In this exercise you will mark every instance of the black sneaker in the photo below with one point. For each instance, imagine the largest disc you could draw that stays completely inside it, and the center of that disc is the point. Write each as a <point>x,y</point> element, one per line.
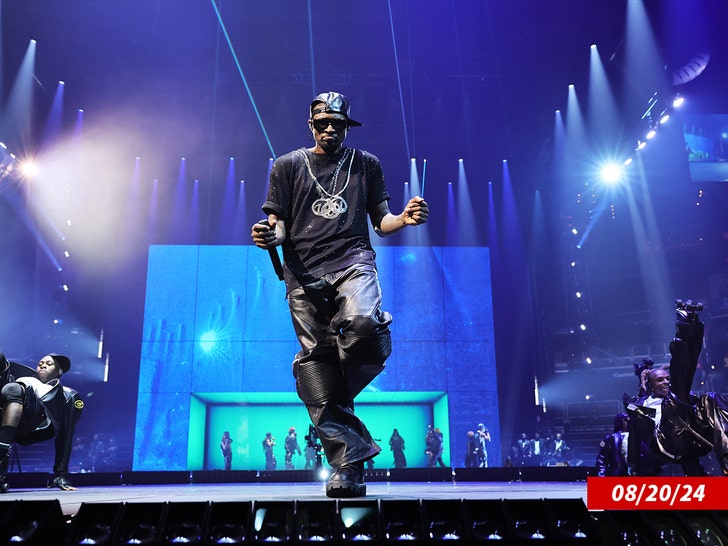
<point>347,482</point>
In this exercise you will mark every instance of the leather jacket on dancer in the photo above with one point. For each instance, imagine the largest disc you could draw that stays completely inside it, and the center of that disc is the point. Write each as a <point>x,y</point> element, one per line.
<point>36,407</point>
<point>669,424</point>
<point>319,202</point>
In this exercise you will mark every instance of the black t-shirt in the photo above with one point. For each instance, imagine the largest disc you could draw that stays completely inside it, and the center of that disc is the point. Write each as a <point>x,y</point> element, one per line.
<point>326,218</point>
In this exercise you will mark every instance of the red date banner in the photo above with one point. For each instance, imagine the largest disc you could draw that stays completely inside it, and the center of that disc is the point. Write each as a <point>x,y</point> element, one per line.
<point>668,493</point>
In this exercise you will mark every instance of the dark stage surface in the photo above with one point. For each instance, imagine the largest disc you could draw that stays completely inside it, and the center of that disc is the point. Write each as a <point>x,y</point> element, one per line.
<point>309,491</point>
<point>219,486</point>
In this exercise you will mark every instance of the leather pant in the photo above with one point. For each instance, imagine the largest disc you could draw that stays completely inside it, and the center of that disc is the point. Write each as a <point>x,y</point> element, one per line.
<point>345,341</point>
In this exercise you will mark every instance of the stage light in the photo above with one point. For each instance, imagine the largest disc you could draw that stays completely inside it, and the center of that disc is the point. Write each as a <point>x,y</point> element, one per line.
<point>628,161</point>
<point>706,529</point>
<point>28,168</point>
<point>678,101</point>
<point>641,145</point>
<point>611,173</point>
<point>664,118</point>
<point>32,522</point>
<point>139,523</point>
<point>229,522</point>
<point>578,294</point>
<point>582,327</point>
<point>184,522</point>
<point>402,520</point>
<point>273,521</point>
<point>588,360</point>
<point>444,519</point>
<point>359,521</point>
<point>94,523</point>
<point>574,231</point>
<point>486,519</point>
<point>650,134</point>
<point>572,520</point>
<point>528,520</point>
<point>316,521</point>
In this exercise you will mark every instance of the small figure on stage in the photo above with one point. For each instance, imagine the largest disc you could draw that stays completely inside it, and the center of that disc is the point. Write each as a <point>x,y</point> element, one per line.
<point>396,446</point>
<point>482,436</point>
<point>37,407</point>
<point>226,448</point>
<point>291,446</point>
<point>269,442</point>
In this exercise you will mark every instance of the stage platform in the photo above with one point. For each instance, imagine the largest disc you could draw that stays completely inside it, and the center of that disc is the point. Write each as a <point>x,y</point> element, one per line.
<point>513,506</point>
<point>309,491</point>
<point>308,485</point>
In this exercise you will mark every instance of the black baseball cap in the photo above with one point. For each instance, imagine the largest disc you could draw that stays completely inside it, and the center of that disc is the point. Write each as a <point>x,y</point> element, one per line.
<point>332,102</point>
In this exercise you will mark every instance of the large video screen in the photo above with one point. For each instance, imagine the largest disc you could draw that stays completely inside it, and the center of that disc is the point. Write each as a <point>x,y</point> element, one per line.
<point>706,145</point>
<point>218,346</point>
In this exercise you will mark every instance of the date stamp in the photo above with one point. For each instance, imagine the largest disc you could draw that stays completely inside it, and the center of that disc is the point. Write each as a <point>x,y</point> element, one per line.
<point>655,493</point>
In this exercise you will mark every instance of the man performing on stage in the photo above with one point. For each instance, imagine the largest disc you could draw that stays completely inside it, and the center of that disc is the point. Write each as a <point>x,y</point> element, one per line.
<point>317,206</point>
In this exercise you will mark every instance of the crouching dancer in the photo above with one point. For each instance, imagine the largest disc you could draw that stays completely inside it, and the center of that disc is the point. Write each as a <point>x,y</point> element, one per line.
<point>35,407</point>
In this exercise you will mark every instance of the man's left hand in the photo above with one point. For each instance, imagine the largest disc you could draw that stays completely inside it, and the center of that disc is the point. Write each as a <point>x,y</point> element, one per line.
<point>416,211</point>
<point>62,483</point>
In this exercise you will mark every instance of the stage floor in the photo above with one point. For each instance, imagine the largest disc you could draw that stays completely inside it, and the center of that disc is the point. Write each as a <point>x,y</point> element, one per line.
<point>308,491</point>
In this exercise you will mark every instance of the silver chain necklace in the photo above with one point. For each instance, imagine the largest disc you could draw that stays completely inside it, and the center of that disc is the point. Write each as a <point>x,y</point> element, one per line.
<point>330,205</point>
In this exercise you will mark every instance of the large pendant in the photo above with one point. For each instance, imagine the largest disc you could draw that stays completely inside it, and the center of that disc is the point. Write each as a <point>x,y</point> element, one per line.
<point>329,207</point>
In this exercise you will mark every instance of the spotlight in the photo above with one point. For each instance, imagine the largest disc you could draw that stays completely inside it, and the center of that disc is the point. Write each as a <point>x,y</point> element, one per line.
<point>359,521</point>
<point>273,521</point>
<point>228,523</point>
<point>444,519</point>
<point>528,519</point>
<point>184,522</point>
<point>572,520</point>
<point>402,520</point>
<point>28,168</point>
<point>611,173</point>
<point>487,519</point>
<point>316,521</point>
<point>678,101</point>
<point>139,523</point>
<point>664,118</point>
<point>650,134</point>
<point>641,145</point>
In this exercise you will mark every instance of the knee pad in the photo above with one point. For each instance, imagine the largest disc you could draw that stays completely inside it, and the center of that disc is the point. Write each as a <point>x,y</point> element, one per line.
<point>12,392</point>
<point>318,382</point>
<point>366,339</point>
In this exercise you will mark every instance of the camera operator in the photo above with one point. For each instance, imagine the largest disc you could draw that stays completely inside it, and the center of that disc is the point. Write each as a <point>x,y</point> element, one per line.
<point>313,450</point>
<point>669,424</point>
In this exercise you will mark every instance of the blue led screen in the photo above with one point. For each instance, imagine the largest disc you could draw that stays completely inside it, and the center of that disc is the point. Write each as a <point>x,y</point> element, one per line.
<point>216,321</point>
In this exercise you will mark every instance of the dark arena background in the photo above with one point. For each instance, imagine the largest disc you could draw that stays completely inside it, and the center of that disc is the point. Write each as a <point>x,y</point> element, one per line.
<point>574,155</point>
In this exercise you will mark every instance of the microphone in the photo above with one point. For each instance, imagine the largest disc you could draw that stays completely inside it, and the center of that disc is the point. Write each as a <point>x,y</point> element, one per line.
<point>275,259</point>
